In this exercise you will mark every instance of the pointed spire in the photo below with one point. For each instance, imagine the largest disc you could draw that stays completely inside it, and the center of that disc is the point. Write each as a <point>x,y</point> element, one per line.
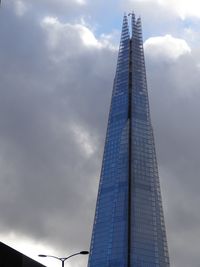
<point>139,23</point>
<point>125,29</point>
<point>133,23</point>
<point>139,30</point>
<point>123,55</point>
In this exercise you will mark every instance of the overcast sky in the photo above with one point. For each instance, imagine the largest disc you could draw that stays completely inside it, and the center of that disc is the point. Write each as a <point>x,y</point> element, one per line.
<point>57,64</point>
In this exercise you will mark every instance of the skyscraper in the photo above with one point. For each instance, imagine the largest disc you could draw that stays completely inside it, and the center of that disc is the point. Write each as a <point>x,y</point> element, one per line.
<point>129,228</point>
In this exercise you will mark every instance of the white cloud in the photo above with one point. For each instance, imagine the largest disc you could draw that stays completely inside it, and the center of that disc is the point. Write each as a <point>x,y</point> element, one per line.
<point>83,140</point>
<point>184,8</point>
<point>87,36</point>
<point>67,39</point>
<point>58,30</point>
<point>81,2</point>
<point>166,47</point>
<point>20,8</point>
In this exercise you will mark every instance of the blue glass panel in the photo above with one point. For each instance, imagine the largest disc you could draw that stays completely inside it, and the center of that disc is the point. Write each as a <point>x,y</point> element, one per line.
<point>111,210</point>
<point>129,228</point>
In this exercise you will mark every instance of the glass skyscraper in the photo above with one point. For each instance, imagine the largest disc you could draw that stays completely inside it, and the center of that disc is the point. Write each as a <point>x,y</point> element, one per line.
<point>129,229</point>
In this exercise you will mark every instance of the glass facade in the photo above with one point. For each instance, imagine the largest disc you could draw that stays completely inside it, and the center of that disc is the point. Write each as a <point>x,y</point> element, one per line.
<point>129,228</point>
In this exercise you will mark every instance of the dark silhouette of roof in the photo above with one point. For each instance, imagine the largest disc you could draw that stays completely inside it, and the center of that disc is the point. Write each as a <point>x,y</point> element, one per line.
<point>10,257</point>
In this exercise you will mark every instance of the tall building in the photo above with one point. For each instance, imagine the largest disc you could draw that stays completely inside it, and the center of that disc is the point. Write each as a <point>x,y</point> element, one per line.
<point>129,229</point>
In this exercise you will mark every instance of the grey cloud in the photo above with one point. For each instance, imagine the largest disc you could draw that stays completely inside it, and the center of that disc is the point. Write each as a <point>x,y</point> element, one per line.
<point>67,9</point>
<point>48,184</point>
<point>174,95</point>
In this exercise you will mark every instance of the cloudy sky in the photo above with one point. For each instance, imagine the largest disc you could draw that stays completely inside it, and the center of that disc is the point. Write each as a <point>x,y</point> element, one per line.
<point>57,63</point>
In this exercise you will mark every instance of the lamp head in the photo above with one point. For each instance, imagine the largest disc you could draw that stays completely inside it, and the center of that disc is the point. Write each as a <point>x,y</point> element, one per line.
<point>42,255</point>
<point>84,252</point>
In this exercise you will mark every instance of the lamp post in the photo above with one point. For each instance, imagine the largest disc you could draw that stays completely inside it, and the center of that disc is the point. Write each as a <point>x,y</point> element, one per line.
<point>62,259</point>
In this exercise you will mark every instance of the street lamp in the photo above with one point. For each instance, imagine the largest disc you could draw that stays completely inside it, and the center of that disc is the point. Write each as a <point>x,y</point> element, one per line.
<point>64,259</point>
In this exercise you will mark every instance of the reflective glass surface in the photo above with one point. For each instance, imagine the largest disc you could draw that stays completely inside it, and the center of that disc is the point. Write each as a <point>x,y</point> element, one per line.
<point>129,228</point>
<point>148,237</point>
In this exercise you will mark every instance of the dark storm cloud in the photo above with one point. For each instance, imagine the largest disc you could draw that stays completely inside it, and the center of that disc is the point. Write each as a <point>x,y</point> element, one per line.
<point>174,94</point>
<point>52,101</point>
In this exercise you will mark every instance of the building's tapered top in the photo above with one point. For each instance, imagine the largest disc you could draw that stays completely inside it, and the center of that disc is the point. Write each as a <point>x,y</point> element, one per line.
<point>129,228</point>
